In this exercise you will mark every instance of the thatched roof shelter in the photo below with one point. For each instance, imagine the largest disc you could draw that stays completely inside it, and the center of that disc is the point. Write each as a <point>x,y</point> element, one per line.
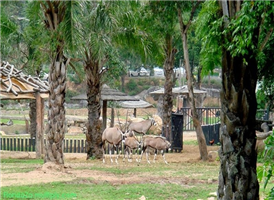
<point>135,104</point>
<point>17,85</point>
<point>14,84</point>
<point>178,90</point>
<point>108,94</point>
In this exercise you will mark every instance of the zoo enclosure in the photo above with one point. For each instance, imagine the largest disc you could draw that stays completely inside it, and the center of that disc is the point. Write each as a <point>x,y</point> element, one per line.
<point>212,115</point>
<point>207,116</point>
<point>27,144</point>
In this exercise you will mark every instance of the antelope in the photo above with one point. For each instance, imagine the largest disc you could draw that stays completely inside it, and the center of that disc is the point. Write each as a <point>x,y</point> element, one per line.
<point>114,136</point>
<point>131,143</point>
<point>155,142</point>
<point>141,127</point>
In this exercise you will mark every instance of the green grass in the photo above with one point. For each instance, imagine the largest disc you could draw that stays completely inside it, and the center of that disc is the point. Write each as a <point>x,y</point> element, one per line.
<point>18,122</point>
<point>21,161</point>
<point>12,165</point>
<point>155,181</point>
<point>87,189</point>
<point>190,142</point>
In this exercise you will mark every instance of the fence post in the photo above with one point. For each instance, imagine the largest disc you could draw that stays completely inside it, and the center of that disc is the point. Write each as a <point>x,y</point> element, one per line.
<point>74,145</point>
<point>14,143</point>
<point>4,144</point>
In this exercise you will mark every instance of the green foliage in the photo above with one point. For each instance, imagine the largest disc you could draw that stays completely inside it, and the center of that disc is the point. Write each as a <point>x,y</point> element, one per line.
<point>208,30</point>
<point>265,93</point>
<point>131,85</point>
<point>265,172</point>
<point>69,94</point>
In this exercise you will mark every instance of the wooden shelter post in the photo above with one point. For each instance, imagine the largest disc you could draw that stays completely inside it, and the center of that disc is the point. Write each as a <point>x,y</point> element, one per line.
<point>39,126</point>
<point>104,114</point>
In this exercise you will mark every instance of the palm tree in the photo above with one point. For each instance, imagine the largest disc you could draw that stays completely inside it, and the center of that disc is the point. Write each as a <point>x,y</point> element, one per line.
<point>106,27</point>
<point>59,19</point>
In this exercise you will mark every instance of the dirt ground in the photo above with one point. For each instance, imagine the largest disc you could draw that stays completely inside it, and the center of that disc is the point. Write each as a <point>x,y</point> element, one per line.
<point>74,161</point>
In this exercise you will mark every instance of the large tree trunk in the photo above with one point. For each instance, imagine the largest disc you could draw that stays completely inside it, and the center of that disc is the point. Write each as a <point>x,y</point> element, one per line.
<point>94,133</point>
<point>195,117</point>
<point>54,12</point>
<point>167,97</point>
<point>237,177</point>
<point>56,112</point>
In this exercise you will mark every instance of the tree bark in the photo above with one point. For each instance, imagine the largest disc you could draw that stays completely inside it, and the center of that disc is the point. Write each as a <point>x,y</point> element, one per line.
<point>56,112</point>
<point>195,117</point>
<point>238,178</point>
<point>167,97</point>
<point>94,133</point>
<point>238,157</point>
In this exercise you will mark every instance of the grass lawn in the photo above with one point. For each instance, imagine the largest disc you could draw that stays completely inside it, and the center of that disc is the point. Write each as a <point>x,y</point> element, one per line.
<point>124,181</point>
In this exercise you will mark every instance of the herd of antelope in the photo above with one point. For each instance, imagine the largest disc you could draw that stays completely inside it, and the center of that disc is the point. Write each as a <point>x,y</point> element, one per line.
<point>115,137</point>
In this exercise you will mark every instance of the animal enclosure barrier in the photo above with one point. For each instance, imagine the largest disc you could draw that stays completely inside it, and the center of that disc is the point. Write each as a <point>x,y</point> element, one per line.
<point>28,145</point>
<point>206,116</point>
<point>69,145</point>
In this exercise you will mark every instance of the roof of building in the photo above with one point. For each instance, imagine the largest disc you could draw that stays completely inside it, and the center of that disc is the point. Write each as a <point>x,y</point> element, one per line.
<point>17,85</point>
<point>108,94</point>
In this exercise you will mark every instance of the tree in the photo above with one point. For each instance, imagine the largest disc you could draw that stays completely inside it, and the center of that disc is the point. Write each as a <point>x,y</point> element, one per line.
<point>59,19</point>
<point>106,29</point>
<point>161,23</point>
<point>243,29</point>
<point>195,117</point>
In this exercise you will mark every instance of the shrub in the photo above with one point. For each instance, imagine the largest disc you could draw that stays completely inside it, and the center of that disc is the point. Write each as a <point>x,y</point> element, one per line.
<point>131,85</point>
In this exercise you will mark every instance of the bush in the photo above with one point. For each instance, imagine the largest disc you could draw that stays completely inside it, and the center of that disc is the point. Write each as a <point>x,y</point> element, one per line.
<point>131,85</point>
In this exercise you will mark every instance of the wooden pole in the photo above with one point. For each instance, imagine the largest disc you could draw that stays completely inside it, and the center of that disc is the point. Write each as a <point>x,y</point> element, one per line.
<point>39,125</point>
<point>104,114</point>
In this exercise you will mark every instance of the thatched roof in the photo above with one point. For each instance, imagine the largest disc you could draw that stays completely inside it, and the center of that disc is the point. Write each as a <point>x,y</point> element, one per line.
<point>109,94</point>
<point>16,85</point>
<point>178,90</point>
<point>135,104</point>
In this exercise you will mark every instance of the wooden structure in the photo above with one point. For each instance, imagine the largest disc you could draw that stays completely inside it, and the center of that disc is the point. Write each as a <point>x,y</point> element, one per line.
<point>108,94</point>
<point>16,85</point>
<point>134,105</point>
<point>179,93</point>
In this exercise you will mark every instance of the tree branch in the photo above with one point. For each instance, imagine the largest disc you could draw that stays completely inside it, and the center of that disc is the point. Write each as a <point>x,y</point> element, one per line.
<point>269,33</point>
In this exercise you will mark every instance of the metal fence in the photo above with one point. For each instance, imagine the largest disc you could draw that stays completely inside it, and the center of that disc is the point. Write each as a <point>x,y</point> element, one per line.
<point>206,116</point>
<point>211,115</point>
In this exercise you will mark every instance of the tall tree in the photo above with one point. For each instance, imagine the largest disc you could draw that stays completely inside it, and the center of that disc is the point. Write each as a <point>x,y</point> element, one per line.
<point>197,124</point>
<point>242,29</point>
<point>105,31</point>
<point>163,25</point>
<point>59,19</point>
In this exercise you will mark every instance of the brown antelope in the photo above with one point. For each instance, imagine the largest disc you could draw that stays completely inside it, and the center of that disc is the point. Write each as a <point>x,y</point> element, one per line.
<point>114,136</point>
<point>131,143</point>
<point>141,127</point>
<point>155,142</point>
